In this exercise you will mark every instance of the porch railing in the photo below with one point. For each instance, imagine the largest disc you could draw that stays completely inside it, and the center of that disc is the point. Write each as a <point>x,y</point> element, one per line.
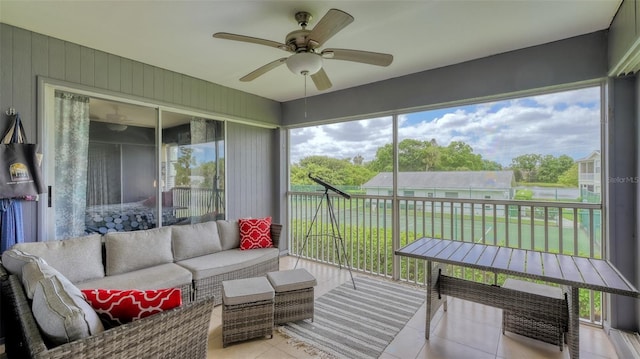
<point>194,202</point>
<point>366,225</point>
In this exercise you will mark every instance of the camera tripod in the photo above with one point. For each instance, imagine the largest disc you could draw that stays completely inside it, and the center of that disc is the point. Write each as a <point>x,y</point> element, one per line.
<point>338,242</point>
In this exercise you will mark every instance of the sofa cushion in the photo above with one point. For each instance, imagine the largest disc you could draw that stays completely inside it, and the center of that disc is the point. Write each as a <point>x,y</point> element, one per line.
<point>130,251</point>
<point>192,240</point>
<point>62,313</point>
<point>124,306</point>
<point>227,261</point>
<point>255,233</point>
<point>78,259</point>
<point>168,275</point>
<point>229,233</point>
<point>14,259</point>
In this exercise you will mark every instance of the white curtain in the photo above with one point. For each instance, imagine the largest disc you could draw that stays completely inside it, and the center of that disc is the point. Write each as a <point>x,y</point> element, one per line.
<point>71,148</point>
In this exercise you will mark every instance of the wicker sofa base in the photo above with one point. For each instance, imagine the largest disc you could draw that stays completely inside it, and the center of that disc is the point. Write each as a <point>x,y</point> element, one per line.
<point>294,305</point>
<point>247,321</point>
<point>212,286</point>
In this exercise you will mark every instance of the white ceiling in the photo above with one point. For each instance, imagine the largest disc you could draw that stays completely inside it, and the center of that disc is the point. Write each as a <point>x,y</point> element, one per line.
<point>422,35</point>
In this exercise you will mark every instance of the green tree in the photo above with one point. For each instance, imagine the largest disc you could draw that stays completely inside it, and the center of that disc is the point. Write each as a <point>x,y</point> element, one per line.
<point>551,168</point>
<point>208,171</point>
<point>459,156</point>
<point>491,166</point>
<point>332,170</point>
<point>418,156</point>
<point>383,162</point>
<point>527,165</point>
<point>570,177</point>
<point>183,166</point>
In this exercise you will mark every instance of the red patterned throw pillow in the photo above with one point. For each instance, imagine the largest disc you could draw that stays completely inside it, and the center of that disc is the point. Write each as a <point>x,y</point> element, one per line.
<point>255,233</point>
<point>124,306</point>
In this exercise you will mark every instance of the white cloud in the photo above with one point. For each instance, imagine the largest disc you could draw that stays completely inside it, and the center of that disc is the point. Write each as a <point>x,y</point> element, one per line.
<point>556,124</point>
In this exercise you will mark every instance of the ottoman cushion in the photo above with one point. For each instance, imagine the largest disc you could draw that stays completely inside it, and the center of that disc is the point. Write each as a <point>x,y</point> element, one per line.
<point>294,279</point>
<point>248,290</point>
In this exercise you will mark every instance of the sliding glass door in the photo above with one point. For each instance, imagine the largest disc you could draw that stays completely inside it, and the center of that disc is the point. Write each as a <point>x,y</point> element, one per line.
<point>117,165</point>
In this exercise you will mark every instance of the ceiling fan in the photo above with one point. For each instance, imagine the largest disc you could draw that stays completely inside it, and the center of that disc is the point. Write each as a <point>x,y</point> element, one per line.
<point>304,45</point>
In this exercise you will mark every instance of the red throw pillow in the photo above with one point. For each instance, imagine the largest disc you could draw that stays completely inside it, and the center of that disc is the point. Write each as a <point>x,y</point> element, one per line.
<point>255,233</point>
<point>124,306</point>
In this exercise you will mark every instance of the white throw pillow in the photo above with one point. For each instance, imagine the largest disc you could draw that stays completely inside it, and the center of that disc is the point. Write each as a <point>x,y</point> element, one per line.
<point>62,313</point>
<point>14,259</point>
<point>33,272</point>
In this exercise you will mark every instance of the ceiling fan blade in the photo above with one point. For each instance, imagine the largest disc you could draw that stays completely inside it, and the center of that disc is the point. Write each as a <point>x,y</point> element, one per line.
<point>332,22</point>
<point>252,40</point>
<point>262,70</point>
<point>321,80</point>
<point>367,57</point>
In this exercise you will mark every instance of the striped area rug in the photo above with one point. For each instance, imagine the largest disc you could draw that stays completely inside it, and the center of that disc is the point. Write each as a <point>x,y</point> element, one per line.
<point>358,323</point>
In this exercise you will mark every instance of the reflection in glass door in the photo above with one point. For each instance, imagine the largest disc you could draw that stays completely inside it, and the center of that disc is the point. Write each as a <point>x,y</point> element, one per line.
<point>112,170</point>
<point>192,168</point>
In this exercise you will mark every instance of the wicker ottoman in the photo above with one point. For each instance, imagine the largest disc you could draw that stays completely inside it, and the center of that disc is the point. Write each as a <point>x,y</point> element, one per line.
<point>247,309</point>
<point>547,317</point>
<point>294,295</point>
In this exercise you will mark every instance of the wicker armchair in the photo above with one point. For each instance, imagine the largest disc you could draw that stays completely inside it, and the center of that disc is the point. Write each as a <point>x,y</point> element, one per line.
<point>177,333</point>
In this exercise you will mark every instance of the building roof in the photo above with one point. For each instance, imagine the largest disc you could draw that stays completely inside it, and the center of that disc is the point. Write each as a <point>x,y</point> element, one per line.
<point>594,155</point>
<point>453,179</point>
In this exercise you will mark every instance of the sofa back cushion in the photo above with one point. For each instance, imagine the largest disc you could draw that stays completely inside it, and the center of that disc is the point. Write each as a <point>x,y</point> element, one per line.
<point>229,232</point>
<point>194,240</point>
<point>14,259</point>
<point>129,251</point>
<point>60,309</point>
<point>78,259</point>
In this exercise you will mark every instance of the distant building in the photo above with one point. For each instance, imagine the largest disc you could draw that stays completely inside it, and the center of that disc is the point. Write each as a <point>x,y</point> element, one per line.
<point>590,177</point>
<point>454,184</point>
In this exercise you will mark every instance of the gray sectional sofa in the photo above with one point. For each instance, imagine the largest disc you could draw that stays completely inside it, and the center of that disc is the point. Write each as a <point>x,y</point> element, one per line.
<point>193,257</point>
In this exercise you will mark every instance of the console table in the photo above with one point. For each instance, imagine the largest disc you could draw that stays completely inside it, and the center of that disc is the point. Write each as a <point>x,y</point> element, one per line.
<point>570,271</point>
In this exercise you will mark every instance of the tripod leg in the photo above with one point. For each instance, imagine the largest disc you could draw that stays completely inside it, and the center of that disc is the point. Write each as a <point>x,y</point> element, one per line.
<point>313,221</point>
<point>335,229</point>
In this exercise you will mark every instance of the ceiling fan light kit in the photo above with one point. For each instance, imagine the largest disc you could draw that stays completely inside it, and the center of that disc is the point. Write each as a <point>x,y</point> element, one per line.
<point>304,63</point>
<point>117,127</point>
<point>306,59</point>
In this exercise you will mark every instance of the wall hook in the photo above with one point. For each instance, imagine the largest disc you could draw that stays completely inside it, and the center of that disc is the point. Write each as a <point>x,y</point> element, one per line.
<point>11,111</point>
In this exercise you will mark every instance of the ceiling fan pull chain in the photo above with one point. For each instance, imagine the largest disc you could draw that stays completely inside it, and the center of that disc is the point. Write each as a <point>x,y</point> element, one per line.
<point>305,96</point>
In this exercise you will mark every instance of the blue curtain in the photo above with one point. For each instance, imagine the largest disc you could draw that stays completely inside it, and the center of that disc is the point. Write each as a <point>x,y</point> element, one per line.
<point>11,224</point>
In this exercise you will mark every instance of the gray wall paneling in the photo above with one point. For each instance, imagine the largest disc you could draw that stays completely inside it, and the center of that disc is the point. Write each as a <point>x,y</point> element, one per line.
<point>582,58</point>
<point>249,161</point>
<point>25,55</point>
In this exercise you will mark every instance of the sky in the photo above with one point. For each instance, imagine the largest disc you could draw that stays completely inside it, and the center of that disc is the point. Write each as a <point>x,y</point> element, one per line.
<point>563,123</point>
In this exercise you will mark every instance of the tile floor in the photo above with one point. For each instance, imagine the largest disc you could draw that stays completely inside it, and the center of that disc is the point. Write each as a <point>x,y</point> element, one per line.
<point>467,330</point>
